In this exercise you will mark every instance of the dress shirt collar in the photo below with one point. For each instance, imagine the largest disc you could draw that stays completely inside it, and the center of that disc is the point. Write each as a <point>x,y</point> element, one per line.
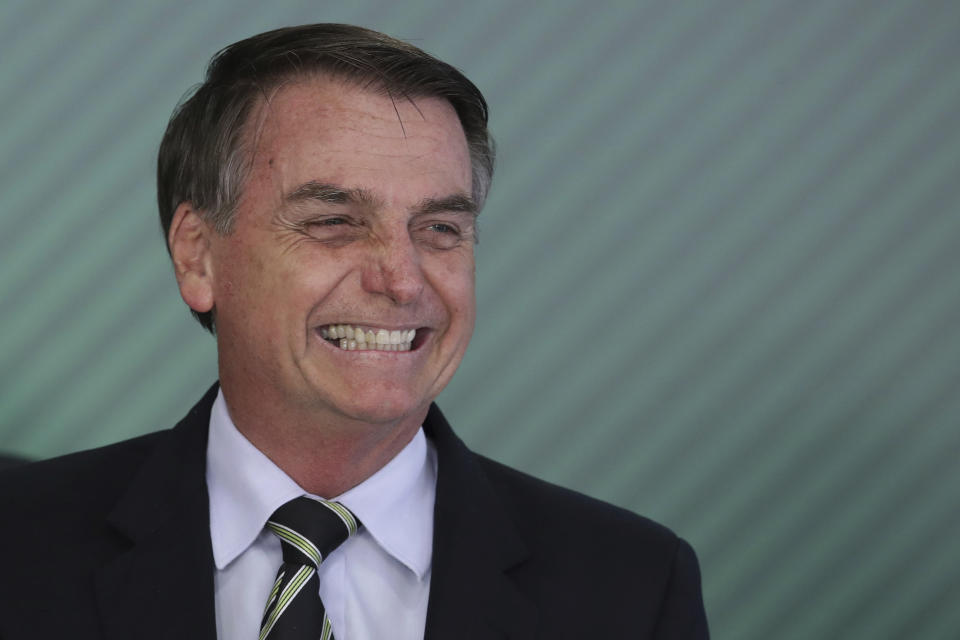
<point>395,504</point>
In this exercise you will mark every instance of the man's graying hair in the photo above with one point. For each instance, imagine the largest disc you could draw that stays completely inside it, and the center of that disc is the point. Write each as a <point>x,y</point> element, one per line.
<point>204,156</point>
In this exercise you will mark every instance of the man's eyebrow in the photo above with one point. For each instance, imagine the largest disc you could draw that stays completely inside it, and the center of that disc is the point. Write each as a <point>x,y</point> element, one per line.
<point>456,202</point>
<point>335,194</point>
<point>329,193</point>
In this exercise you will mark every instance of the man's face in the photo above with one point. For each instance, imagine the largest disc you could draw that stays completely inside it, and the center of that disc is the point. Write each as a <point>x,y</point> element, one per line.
<point>356,215</point>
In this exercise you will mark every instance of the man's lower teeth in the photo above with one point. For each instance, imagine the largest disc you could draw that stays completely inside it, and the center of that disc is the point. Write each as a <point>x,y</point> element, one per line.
<point>352,345</point>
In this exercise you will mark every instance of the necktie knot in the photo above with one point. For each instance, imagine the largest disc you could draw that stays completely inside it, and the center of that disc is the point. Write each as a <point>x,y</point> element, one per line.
<point>310,529</point>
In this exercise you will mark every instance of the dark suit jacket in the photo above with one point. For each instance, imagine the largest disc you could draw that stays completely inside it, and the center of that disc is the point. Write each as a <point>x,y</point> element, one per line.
<point>114,543</point>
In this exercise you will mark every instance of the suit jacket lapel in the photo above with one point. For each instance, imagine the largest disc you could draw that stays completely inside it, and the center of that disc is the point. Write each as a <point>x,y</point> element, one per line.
<point>162,586</point>
<point>472,595</point>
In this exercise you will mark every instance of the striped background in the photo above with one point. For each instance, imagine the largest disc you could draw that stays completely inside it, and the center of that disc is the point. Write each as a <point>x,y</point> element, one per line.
<point>719,274</point>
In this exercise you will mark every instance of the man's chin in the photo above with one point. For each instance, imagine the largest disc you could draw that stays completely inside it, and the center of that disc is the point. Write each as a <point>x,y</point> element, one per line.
<point>385,410</point>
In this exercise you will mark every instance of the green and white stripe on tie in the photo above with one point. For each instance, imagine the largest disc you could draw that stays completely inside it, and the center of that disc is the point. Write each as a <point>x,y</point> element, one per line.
<point>309,529</point>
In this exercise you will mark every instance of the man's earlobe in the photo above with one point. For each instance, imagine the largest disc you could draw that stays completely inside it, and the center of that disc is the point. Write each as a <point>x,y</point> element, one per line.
<point>189,242</point>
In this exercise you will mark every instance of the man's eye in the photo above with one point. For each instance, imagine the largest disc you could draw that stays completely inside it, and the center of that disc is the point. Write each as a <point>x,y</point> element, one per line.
<point>441,235</point>
<point>334,224</point>
<point>328,222</point>
<point>334,230</point>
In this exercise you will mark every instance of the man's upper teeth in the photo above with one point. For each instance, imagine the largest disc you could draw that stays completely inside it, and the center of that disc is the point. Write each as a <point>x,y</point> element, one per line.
<point>367,336</point>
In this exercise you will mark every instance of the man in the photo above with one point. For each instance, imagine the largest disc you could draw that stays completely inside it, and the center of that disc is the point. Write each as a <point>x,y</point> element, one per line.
<point>319,194</point>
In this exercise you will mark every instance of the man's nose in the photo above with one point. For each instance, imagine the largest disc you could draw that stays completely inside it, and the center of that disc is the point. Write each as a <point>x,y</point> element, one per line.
<point>394,269</point>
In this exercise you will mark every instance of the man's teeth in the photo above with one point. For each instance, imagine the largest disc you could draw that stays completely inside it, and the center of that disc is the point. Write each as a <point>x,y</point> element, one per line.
<point>358,338</point>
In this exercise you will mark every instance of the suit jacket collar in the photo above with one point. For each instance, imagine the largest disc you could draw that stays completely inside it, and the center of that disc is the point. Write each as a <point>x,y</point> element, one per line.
<point>475,545</point>
<point>162,585</point>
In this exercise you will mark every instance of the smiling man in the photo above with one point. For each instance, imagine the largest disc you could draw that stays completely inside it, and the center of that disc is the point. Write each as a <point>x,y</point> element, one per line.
<point>319,194</point>
<point>343,292</point>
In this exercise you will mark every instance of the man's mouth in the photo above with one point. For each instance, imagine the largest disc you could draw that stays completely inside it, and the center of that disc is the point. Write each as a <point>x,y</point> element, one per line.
<point>356,338</point>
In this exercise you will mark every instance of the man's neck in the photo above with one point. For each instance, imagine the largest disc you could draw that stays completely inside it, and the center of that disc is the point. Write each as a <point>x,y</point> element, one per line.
<point>326,455</point>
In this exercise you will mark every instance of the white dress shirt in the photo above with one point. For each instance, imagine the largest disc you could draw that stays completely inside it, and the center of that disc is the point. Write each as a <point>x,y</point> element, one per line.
<point>374,586</point>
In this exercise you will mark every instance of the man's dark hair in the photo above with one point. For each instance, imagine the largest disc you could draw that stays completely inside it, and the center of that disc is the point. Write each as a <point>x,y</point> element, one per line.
<point>204,156</point>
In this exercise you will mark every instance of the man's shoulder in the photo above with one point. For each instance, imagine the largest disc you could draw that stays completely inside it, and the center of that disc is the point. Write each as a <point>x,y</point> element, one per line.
<point>61,508</point>
<point>90,517</point>
<point>557,516</point>
<point>80,480</point>
<point>91,481</point>
<point>629,571</point>
<point>551,518</point>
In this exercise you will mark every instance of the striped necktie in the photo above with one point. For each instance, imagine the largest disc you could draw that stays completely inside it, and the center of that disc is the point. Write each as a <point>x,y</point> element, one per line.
<point>309,529</point>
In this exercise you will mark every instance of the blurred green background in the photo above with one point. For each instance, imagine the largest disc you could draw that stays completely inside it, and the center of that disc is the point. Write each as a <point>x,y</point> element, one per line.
<point>719,271</point>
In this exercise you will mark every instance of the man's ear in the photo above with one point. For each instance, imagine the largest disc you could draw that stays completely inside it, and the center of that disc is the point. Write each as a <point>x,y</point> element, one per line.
<point>189,241</point>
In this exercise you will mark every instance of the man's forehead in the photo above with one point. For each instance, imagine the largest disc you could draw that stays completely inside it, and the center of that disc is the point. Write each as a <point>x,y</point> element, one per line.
<point>320,98</point>
<point>322,139</point>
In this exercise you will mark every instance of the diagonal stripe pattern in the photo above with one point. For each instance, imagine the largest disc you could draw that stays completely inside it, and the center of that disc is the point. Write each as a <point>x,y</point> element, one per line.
<point>309,530</point>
